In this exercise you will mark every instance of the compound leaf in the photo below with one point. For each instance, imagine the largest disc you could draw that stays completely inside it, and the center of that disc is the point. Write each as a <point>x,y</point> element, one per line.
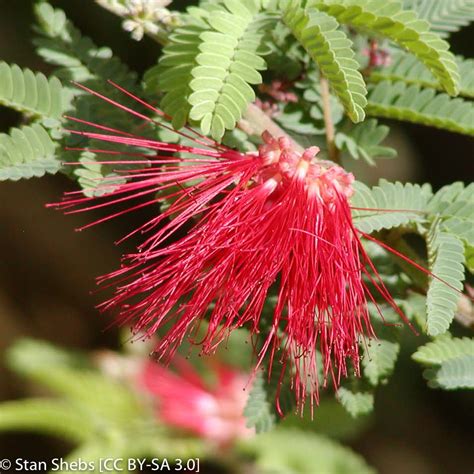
<point>388,18</point>
<point>387,205</point>
<point>446,256</point>
<point>421,105</point>
<point>27,152</point>
<point>330,48</point>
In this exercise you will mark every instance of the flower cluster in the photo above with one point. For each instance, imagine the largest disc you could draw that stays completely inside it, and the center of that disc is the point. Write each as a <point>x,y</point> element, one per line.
<point>207,407</point>
<point>378,57</point>
<point>213,411</point>
<point>272,222</point>
<point>142,16</point>
<point>278,92</point>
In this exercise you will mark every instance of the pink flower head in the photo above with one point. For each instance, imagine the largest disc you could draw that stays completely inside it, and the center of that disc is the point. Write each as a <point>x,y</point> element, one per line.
<point>273,222</point>
<point>185,401</point>
<point>378,57</point>
<point>279,91</point>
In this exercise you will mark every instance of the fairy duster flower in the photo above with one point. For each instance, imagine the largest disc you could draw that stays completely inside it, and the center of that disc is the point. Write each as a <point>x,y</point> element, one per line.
<point>183,400</point>
<point>275,221</point>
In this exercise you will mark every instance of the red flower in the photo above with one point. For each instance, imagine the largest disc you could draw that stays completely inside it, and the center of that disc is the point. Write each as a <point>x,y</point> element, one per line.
<point>185,401</point>
<point>273,221</point>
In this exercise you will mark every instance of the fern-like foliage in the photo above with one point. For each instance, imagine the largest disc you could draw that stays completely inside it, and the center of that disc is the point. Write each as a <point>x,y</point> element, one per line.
<point>27,152</point>
<point>470,258</point>
<point>364,141</point>
<point>445,16</point>
<point>60,43</point>
<point>173,73</point>
<point>442,349</point>
<point>379,360</point>
<point>97,414</point>
<point>450,193</point>
<point>330,48</point>
<point>406,67</point>
<point>388,205</point>
<point>227,65</point>
<point>260,409</point>
<point>456,374</point>
<point>54,368</point>
<point>77,58</point>
<point>423,106</point>
<point>389,19</point>
<point>453,204</point>
<point>356,403</point>
<point>51,417</point>
<point>414,307</point>
<point>450,361</point>
<point>209,65</point>
<point>92,174</point>
<point>30,93</point>
<point>303,452</point>
<point>446,256</point>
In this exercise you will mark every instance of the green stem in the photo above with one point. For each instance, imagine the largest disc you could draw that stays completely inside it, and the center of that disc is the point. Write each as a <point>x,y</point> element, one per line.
<point>333,151</point>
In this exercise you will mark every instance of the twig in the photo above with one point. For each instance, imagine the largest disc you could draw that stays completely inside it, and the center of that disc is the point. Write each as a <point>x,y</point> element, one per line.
<point>256,121</point>
<point>333,152</point>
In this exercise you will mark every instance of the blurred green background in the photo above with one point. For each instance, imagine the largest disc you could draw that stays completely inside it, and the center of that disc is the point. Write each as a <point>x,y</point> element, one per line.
<point>47,270</point>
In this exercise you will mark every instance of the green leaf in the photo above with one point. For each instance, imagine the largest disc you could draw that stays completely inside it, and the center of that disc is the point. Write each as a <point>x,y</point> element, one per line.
<point>310,89</point>
<point>330,48</point>
<point>52,368</point>
<point>172,75</point>
<point>470,258</point>
<point>27,152</point>
<point>461,222</point>
<point>30,93</point>
<point>403,204</point>
<point>443,349</point>
<point>454,205</point>
<point>356,403</point>
<point>456,373</point>
<point>414,307</point>
<point>446,256</point>
<point>363,141</point>
<point>93,178</point>
<point>387,18</point>
<point>60,43</point>
<point>209,65</point>
<point>302,452</point>
<point>27,355</point>
<point>259,410</point>
<point>447,194</point>
<point>379,359</point>
<point>445,16</point>
<point>53,417</point>
<point>227,65</point>
<point>423,106</point>
<point>406,68</point>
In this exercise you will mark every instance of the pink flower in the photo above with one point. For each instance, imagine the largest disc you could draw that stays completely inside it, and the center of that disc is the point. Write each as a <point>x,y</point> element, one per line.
<point>278,90</point>
<point>276,221</point>
<point>185,401</point>
<point>378,57</point>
